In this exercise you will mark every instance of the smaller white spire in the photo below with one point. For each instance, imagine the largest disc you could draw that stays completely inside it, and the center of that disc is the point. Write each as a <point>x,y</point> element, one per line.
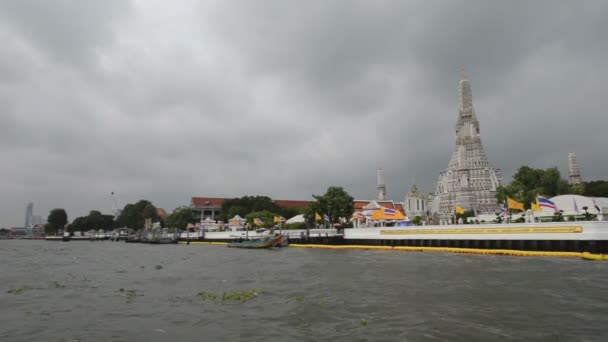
<point>574,171</point>
<point>381,185</point>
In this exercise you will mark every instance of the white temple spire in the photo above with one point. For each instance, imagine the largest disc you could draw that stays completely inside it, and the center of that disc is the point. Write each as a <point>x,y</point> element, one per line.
<point>470,181</point>
<point>381,185</point>
<point>574,171</point>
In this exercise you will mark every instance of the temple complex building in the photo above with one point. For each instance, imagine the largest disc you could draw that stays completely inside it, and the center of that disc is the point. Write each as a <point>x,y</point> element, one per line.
<point>469,181</point>
<point>415,203</point>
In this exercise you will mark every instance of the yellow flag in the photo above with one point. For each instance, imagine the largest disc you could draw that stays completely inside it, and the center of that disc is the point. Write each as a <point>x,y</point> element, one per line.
<point>318,217</point>
<point>514,204</point>
<point>459,210</point>
<point>277,219</point>
<point>535,206</point>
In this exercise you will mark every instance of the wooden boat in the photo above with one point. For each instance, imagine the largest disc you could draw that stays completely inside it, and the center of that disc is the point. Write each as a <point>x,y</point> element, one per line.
<point>266,242</point>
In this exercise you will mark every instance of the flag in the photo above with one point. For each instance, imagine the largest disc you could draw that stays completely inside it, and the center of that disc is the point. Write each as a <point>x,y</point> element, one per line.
<point>575,206</point>
<point>326,217</point>
<point>283,220</point>
<point>360,216</point>
<point>514,204</point>
<point>505,209</point>
<point>388,211</point>
<point>258,222</point>
<point>544,202</point>
<point>277,219</point>
<point>459,210</point>
<point>535,207</point>
<point>595,205</point>
<point>318,217</point>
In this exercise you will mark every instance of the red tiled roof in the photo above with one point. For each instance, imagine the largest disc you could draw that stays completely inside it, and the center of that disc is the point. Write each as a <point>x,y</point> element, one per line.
<point>292,203</point>
<point>199,202</point>
<point>160,212</point>
<point>387,204</point>
<point>360,204</point>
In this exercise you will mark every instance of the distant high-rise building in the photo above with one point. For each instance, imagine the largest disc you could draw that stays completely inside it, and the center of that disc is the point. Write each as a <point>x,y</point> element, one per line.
<point>574,172</point>
<point>469,182</point>
<point>29,212</point>
<point>381,185</point>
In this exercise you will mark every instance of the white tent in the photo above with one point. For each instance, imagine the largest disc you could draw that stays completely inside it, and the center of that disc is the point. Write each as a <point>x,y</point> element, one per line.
<point>573,204</point>
<point>296,219</point>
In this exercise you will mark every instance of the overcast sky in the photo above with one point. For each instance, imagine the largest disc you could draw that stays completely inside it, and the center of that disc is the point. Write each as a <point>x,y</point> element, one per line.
<point>165,100</point>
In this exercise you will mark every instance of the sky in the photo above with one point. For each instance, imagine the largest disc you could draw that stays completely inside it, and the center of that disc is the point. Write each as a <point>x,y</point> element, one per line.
<point>165,100</point>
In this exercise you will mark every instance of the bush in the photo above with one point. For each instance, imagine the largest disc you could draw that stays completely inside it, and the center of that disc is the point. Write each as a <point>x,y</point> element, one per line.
<point>301,225</point>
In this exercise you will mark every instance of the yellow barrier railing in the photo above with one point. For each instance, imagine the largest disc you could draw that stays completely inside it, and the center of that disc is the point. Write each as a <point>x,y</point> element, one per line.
<point>509,252</point>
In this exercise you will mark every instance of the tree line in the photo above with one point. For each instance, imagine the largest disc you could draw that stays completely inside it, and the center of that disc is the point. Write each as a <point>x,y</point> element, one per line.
<point>529,182</point>
<point>336,203</point>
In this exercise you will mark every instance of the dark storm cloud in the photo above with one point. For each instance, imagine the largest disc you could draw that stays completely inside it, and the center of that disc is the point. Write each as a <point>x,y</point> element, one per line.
<point>284,98</point>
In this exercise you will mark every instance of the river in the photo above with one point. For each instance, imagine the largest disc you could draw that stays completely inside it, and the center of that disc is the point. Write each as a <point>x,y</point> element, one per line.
<point>113,291</point>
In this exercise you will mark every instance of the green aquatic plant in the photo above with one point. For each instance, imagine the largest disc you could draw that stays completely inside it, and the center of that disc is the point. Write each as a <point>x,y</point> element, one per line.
<point>206,296</point>
<point>300,298</point>
<point>130,295</point>
<point>17,290</point>
<point>363,321</point>
<point>57,285</point>
<point>240,296</point>
<point>158,267</point>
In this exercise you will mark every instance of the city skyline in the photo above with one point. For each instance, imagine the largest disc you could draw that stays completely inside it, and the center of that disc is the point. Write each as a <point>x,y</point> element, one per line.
<point>168,101</point>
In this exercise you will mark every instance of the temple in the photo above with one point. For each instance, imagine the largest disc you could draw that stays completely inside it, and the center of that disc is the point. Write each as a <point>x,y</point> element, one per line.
<point>469,181</point>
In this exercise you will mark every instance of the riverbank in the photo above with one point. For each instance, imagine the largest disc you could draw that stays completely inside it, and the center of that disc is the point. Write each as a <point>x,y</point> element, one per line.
<point>506,252</point>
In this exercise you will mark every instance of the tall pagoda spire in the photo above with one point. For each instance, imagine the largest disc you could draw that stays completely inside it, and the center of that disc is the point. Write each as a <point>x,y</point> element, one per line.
<point>469,181</point>
<point>466,97</point>
<point>467,125</point>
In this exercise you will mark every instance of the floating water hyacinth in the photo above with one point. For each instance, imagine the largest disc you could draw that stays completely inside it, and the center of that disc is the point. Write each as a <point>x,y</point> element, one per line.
<point>17,290</point>
<point>206,296</point>
<point>242,296</point>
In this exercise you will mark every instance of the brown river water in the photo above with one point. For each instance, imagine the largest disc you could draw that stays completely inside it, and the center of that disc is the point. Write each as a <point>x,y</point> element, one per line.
<point>113,291</point>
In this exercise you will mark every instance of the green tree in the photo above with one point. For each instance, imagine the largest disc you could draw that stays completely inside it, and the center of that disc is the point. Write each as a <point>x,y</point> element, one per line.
<point>246,205</point>
<point>267,218</point>
<point>596,189</point>
<point>529,182</point>
<point>133,216</point>
<point>181,217</point>
<point>57,220</point>
<point>94,221</point>
<point>336,203</point>
<point>417,220</point>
